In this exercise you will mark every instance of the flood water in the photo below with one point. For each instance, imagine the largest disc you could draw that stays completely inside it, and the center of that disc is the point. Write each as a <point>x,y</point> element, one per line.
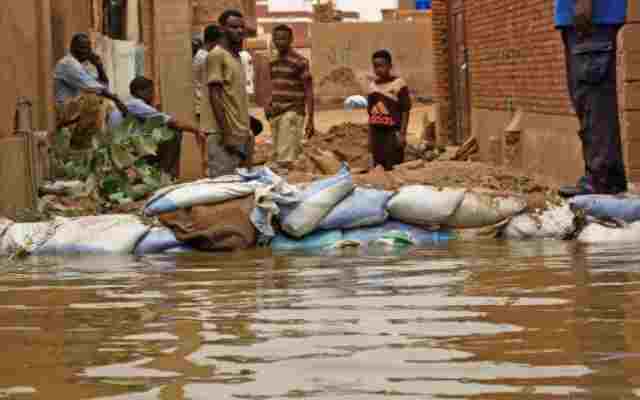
<point>466,320</point>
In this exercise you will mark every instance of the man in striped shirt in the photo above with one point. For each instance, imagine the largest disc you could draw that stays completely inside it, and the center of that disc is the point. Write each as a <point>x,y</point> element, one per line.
<point>291,99</point>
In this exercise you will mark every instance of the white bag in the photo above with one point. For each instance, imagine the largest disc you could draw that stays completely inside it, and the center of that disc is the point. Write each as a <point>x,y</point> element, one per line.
<point>595,233</point>
<point>317,201</point>
<point>478,210</point>
<point>27,236</point>
<point>104,234</point>
<point>425,205</point>
<point>205,191</point>
<point>554,223</point>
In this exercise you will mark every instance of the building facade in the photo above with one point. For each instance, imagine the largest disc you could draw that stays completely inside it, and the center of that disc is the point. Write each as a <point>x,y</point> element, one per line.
<point>499,66</point>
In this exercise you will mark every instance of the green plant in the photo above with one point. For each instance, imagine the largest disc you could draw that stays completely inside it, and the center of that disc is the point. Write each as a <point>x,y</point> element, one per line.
<point>117,169</point>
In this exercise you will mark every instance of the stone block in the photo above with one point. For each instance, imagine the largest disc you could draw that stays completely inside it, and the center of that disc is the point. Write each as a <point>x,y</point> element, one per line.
<point>631,150</point>
<point>630,96</point>
<point>629,37</point>
<point>629,66</point>
<point>630,125</point>
<point>633,12</point>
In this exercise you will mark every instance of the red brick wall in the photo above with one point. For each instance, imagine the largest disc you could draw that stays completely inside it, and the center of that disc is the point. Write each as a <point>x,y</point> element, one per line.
<point>516,56</point>
<point>441,66</point>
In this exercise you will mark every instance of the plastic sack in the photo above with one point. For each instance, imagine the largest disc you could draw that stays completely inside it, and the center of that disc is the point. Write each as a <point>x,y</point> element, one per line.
<point>316,202</point>
<point>363,207</point>
<point>554,223</point>
<point>418,236</point>
<point>596,233</point>
<point>158,240</point>
<point>356,101</point>
<point>4,226</point>
<point>215,227</point>
<point>205,191</point>
<point>315,241</point>
<point>26,237</point>
<point>608,207</point>
<point>424,205</point>
<point>105,234</point>
<point>478,210</point>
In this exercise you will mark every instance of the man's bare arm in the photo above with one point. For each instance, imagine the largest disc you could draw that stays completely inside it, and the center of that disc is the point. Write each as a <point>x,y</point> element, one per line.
<point>215,101</point>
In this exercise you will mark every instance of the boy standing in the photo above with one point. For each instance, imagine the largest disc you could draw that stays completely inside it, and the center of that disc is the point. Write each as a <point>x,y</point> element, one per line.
<point>388,106</point>
<point>291,99</point>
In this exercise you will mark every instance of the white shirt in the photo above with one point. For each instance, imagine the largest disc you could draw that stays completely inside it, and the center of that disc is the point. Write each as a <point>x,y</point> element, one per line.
<point>247,63</point>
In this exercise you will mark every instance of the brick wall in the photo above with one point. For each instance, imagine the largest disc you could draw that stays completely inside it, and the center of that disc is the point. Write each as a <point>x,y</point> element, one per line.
<point>441,66</point>
<point>629,90</point>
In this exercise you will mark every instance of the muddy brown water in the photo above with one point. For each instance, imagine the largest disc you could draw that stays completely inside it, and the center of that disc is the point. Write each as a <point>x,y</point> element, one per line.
<point>465,320</point>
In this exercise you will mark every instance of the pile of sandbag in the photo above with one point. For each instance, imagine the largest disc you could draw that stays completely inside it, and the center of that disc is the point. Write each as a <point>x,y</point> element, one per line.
<point>608,219</point>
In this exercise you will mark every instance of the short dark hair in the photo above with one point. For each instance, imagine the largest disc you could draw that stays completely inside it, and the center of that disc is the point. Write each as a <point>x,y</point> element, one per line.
<point>212,33</point>
<point>224,17</point>
<point>140,83</point>
<point>283,28</point>
<point>384,54</point>
<point>77,38</point>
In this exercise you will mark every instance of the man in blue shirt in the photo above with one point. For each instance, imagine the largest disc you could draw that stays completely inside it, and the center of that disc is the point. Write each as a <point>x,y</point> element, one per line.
<point>589,32</point>
<point>141,107</point>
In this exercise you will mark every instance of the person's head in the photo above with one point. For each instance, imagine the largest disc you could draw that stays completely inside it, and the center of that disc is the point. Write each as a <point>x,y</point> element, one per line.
<point>382,63</point>
<point>233,25</point>
<point>81,47</point>
<point>196,45</point>
<point>282,38</point>
<point>212,35</point>
<point>142,88</point>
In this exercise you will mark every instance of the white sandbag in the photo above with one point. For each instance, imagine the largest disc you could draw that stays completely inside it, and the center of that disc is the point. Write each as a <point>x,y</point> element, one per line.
<point>26,237</point>
<point>104,234</point>
<point>554,223</point>
<point>317,200</point>
<point>478,210</point>
<point>363,207</point>
<point>357,101</point>
<point>206,191</point>
<point>425,205</point>
<point>158,240</point>
<point>4,226</point>
<point>596,233</point>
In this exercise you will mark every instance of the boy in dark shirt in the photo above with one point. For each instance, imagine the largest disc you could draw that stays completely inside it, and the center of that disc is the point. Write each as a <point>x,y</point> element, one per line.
<point>388,106</point>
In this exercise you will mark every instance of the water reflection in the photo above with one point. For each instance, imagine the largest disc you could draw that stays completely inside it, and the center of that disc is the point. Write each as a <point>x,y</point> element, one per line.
<point>481,320</point>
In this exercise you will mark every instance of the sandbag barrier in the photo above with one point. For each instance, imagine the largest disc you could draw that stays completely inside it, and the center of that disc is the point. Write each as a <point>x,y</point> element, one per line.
<point>259,208</point>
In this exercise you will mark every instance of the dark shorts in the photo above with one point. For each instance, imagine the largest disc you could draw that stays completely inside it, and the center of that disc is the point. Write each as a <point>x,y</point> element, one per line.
<point>386,150</point>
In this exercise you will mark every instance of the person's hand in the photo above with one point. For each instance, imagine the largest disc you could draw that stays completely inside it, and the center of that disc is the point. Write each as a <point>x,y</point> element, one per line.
<point>95,59</point>
<point>402,140</point>
<point>584,18</point>
<point>311,129</point>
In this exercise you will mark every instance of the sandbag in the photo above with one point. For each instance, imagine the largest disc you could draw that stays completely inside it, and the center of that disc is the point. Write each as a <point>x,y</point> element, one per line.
<point>25,237</point>
<point>363,207</point>
<point>158,240</point>
<point>478,210</point>
<point>317,200</point>
<point>4,226</point>
<point>554,223</point>
<point>315,241</point>
<point>425,205</point>
<point>626,209</point>
<point>596,233</point>
<point>357,101</point>
<point>105,234</point>
<point>214,227</point>
<point>205,191</point>
<point>417,235</point>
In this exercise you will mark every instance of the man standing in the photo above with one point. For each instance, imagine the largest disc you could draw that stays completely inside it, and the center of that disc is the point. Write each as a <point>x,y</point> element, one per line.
<point>141,106</point>
<point>227,116</point>
<point>80,95</point>
<point>589,31</point>
<point>291,99</point>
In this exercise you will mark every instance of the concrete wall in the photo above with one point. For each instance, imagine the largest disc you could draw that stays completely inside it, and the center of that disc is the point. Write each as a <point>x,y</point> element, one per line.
<point>67,18</point>
<point>341,54</point>
<point>208,11</point>
<point>26,62</point>
<point>549,145</point>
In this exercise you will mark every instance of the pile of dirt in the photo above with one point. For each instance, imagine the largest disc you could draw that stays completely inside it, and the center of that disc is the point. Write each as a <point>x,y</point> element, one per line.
<point>349,142</point>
